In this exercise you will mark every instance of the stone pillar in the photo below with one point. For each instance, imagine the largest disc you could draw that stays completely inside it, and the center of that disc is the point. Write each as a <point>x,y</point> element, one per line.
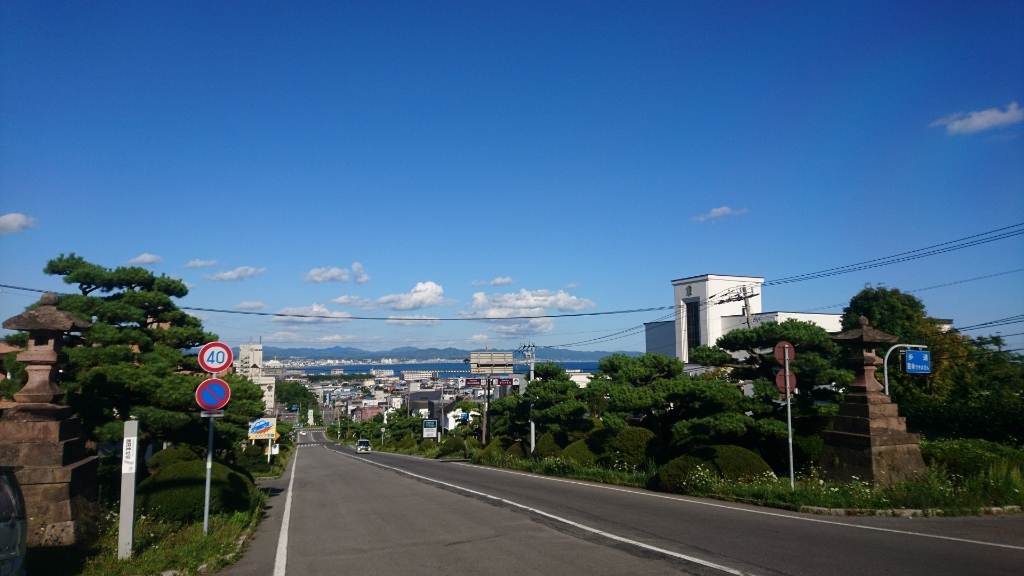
<point>41,438</point>
<point>869,439</point>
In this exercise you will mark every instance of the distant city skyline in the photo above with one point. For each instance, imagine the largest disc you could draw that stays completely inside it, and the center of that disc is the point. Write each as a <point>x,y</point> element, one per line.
<point>421,162</point>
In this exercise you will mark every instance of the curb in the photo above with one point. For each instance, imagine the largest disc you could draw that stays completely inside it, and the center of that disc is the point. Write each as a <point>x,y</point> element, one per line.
<point>901,512</point>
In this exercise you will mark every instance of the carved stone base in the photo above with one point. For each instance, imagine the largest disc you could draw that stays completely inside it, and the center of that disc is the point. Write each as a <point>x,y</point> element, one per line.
<point>57,478</point>
<point>884,459</point>
<point>870,441</point>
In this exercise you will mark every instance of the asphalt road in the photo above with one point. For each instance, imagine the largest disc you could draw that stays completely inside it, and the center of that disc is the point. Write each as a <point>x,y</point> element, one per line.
<point>391,514</point>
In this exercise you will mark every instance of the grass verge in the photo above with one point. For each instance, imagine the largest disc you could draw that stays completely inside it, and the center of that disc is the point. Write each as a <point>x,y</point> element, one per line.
<point>159,546</point>
<point>937,491</point>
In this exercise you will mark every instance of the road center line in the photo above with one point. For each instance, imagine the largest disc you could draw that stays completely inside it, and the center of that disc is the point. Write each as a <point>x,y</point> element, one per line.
<point>737,509</point>
<point>281,560</point>
<point>608,535</point>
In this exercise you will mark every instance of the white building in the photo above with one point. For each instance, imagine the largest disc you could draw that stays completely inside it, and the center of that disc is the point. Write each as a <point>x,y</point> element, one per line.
<point>709,306</point>
<point>250,364</point>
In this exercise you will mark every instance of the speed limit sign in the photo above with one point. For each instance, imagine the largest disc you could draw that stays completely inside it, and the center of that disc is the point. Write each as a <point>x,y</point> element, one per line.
<point>215,357</point>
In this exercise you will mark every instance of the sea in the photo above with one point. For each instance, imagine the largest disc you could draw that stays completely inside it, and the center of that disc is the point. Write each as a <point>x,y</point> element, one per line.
<point>446,369</point>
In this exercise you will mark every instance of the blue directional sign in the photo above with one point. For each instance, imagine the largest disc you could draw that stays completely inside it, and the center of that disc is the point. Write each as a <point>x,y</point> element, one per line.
<point>918,362</point>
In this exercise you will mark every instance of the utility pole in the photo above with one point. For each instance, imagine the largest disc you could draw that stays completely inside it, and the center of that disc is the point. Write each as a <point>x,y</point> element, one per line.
<point>746,308</point>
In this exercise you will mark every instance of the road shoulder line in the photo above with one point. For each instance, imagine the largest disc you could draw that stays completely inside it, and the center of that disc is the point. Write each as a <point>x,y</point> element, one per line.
<point>281,559</point>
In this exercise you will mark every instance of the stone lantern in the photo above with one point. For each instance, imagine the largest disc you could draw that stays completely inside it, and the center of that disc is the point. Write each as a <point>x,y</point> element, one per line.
<point>869,439</point>
<point>40,438</point>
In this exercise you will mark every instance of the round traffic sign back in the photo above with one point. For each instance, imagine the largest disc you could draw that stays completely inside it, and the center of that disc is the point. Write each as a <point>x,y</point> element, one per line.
<point>215,357</point>
<point>780,382</point>
<point>213,394</point>
<point>780,347</point>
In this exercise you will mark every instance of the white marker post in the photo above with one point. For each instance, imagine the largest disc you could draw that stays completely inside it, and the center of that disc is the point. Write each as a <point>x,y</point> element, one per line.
<point>129,456</point>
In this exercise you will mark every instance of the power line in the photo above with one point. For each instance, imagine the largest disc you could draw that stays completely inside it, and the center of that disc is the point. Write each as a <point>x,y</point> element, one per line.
<point>916,290</point>
<point>950,246</point>
<point>993,323</point>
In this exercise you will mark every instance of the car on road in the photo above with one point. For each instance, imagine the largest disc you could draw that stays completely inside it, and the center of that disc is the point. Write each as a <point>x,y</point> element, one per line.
<point>303,433</point>
<point>363,446</point>
<point>13,524</point>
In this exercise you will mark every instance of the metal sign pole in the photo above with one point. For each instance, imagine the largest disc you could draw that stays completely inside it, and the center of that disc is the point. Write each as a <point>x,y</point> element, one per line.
<point>126,523</point>
<point>789,420</point>
<point>209,469</point>
<point>885,363</point>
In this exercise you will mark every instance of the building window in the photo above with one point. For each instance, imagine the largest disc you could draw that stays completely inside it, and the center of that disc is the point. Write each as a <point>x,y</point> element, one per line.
<point>692,323</point>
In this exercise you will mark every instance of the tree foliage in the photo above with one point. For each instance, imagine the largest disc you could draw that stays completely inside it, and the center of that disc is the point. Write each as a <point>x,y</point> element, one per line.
<point>134,361</point>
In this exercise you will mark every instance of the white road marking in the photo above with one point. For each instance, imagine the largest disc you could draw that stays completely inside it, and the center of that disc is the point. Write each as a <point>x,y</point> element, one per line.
<point>281,560</point>
<point>738,509</point>
<point>608,535</point>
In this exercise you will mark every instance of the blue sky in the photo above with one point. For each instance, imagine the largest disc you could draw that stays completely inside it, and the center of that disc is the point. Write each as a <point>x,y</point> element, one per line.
<point>408,155</point>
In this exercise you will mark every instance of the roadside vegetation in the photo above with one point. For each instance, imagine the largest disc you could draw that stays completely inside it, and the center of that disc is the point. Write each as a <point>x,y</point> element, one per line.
<point>135,362</point>
<point>644,422</point>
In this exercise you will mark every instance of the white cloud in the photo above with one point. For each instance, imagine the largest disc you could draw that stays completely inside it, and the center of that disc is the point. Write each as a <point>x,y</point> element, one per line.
<point>14,222</point>
<point>355,301</point>
<point>478,338</point>
<point>499,281</point>
<point>503,309</point>
<point>250,305</point>
<point>189,285</point>
<point>327,275</point>
<point>531,300</point>
<point>291,336</point>
<point>359,273</point>
<point>314,313</point>
<point>526,327</point>
<point>572,286</point>
<point>198,315</point>
<point>337,338</point>
<point>416,320</point>
<point>240,273</point>
<point>721,212</point>
<point>978,120</point>
<point>145,258</point>
<point>197,263</point>
<point>422,295</point>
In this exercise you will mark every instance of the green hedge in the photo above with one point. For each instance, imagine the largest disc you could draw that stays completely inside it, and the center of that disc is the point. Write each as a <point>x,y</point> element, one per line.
<point>176,491</point>
<point>579,453</point>
<point>726,461</point>
<point>1002,424</point>
<point>169,456</point>
<point>452,447</point>
<point>631,447</point>
<point>971,457</point>
<point>516,451</point>
<point>428,445</point>
<point>546,447</point>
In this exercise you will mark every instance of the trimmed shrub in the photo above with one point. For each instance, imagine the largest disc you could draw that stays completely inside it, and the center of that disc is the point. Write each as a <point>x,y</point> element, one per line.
<point>428,445</point>
<point>176,491</point>
<point>631,447</point>
<point>735,462</point>
<point>690,473</point>
<point>971,457</point>
<point>495,447</point>
<point>407,443</point>
<point>516,451</point>
<point>674,476</point>
<point>452,447</point>
<point>579,453</point>
<point>472,443</point>
<point>546,447</point>
<point>251,458</point>
<point>169,456</point>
